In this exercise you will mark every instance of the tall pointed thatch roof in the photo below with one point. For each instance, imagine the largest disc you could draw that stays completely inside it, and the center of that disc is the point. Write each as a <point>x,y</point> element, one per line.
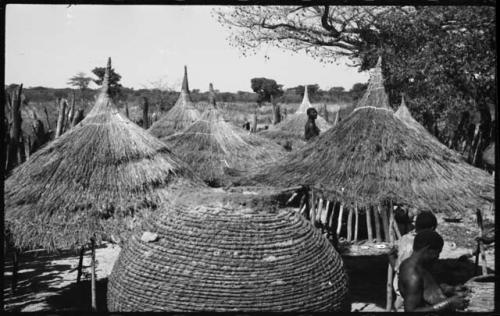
<point>372,156</point>
<point>180,116</point>
<point>292,129</point>
<point>211,146</point>
<point>228,252</point>
<point>96,175</point>
<point>375,95</point>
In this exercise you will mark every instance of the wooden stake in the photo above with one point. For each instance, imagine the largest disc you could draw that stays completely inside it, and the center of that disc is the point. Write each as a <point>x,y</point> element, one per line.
<point>312,213</point>
<point>327,212</point>
<point>356,223</point>
<point>332,215</point>
<point>80,265</point>
<point>47,118</point>
<point>369,224</point>
<point>396,230</point>
<point>291,198</point>
<point>349,225</point>
<point>319,211</point>
<point>385,223</point>
<point>388,305</point>
<point>93,280</point>
<point>15,269</point>
<point>391,223</point>
<point>376,216</point>
<point>339,223</point>
<point>302,210</point>
<point>60,118</point>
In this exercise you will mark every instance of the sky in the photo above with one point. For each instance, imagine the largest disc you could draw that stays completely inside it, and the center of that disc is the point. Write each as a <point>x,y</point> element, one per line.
<point>45,45</point>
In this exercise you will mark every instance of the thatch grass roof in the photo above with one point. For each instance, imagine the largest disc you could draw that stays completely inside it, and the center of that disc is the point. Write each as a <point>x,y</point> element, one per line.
<point>375,95</point>
<point>228,252</point>
<point>292,129</point>
<point>372,156</point>
<point>180,116</point>
<point>212,146</point>
<point>94,177</point>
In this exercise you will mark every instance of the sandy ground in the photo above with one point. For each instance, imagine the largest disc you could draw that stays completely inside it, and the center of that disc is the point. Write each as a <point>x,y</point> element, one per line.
<point>48,282</point>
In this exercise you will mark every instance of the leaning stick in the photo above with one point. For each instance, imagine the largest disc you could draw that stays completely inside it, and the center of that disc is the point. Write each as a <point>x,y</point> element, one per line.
<point>291,198</point>
<point>376,216</point>
<point>93,279</point>
<point>332,215</point>
<point>312,213</point>
<point>356,223</point>
<point>301,212</point>
<point>349,225</point>
<point>391,223</point>
<point>339,222</point>
<point>80,265</point>
<point>396,229</point>
<point>369,224</point>
<point>388,306</point>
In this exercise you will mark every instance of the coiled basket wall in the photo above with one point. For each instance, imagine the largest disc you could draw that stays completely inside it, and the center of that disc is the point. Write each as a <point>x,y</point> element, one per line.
<point>228,252</point>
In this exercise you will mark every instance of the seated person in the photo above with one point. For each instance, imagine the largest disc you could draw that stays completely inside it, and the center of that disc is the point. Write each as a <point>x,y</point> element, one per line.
<point>420,291</point>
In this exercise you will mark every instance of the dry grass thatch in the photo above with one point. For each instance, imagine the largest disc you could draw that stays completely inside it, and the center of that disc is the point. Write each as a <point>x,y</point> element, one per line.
<point>179,117</point>
<point>372,156</point>
<point>375,95</point>
<point>212,146</point>
<point>292,129</point>
<point>96,175</point>
<point>228,252</point>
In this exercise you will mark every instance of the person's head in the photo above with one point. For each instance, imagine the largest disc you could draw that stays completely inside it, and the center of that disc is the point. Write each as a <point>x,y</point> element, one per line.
<point>429,244</point>
<point>312,113</point>
<point>425,220</point>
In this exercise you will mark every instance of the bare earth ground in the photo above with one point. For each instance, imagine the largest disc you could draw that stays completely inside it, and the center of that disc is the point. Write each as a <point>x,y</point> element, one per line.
<point>48,282</point>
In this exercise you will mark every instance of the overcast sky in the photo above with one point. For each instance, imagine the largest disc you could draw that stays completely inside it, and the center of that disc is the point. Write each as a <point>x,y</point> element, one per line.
<point>47,44</point>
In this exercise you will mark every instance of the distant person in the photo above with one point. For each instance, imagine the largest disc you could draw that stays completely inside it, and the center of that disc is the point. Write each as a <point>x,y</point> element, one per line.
<point>419,289</point>
<point>424,221</point>
<point>311,130</point>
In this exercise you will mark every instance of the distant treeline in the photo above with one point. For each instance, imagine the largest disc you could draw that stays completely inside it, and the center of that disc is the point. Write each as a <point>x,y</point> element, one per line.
<point>164,99</point>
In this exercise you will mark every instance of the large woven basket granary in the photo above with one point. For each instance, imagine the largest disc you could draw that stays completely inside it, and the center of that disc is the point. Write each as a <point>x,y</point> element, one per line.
<point>221,251</point>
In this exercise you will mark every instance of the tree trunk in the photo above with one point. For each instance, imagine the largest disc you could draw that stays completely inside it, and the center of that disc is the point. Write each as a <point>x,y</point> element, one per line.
<point>325,113</point>
<point>60,118</point>
<point>145,117</point>
<point>80,265</point>
<point>15,129</point>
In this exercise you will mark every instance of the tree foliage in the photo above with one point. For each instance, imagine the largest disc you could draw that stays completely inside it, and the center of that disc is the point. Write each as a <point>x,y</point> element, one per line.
<point>80,81</point>
<point>266,89</point>
<point>114,80</point>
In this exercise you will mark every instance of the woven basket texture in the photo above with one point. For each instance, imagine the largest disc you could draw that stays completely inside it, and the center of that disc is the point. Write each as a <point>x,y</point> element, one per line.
<point>228,252</point>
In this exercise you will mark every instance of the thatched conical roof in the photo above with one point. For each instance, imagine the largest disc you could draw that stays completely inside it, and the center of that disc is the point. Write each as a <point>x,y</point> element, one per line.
<point>375,95</point>
<point>100,172</point>
<point>372,156</point>
<point>180,116</point>
<point>211,146</point>
<point>228,252</point>
<point>292,129</point>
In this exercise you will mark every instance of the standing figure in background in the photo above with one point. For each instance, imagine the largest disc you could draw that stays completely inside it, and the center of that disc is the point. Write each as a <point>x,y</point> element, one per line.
<point>311,130</point>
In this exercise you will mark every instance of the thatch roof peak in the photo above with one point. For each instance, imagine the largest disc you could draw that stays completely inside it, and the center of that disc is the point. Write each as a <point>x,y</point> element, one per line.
<point>105,81</point>
<point>305,102</point>
<point>375,95</point>
<point>210,145</point>
<point>180,116</point>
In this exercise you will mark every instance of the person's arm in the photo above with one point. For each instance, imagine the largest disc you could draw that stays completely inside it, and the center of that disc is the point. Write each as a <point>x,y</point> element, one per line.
<point>414,290</point>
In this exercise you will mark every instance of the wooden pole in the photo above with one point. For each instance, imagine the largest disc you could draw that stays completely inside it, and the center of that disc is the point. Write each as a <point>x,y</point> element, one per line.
<point>312,214</point>
<point>339,223</point>
<point>93,280</point>
<point>396,229</point>
<point>388,305</point>
<point>15,269</point>
<point>332,215</point>
<point>319,212</point>
<point>80,265</point>
<point>145,109</point>
<point>60,118</point>
<point>349,225</point>
<point>326,213</point>
<point>15,129</point>
<point>376,217</point>
<point>385,223</point>
<point>47,118</point>
<point>369,224</point>
<point>126,110</point>
<point>356,223</point>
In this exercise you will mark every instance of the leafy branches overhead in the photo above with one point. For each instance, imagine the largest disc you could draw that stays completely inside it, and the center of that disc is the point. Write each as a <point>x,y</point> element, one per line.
<point>324,32</point>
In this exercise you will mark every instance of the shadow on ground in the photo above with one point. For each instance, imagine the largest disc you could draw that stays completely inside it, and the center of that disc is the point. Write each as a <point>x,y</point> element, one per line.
<point>39,280</point>
<point>77,297</point>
